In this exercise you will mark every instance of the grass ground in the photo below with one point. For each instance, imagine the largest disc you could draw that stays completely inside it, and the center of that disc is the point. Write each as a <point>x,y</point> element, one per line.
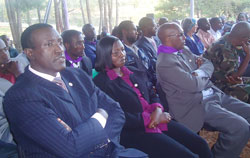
<point>211,138</point>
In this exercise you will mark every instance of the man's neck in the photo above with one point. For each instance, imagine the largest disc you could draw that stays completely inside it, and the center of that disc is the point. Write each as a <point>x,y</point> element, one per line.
<point>90,39</point>
<point>213,29</point>
<point>72,56</point>
<point>125,41</point>
<point>204,30</point>
<point>149,36</point>
<point>190,34</point>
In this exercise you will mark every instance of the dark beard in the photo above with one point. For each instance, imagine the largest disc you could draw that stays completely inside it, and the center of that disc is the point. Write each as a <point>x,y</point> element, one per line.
<point>131,40</point>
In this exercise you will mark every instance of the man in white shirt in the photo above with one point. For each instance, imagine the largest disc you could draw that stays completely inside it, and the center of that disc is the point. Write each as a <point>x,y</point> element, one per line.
<point>216,26</point>
<point>55,111</point>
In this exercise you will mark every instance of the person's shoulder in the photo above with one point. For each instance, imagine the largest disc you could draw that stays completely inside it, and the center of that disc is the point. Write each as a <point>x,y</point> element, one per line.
<point>101,77</point>
<point>69,71</point>
<point>24,85</point>
<point>102,80</point>
<point>140,41</point>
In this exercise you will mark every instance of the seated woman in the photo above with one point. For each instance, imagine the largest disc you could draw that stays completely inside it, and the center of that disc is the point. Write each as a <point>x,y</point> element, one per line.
<point>192,41</point>
<point>147,127</point>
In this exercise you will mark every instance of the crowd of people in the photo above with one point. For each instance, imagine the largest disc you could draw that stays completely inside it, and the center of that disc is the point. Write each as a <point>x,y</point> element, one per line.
<point>141,91</point>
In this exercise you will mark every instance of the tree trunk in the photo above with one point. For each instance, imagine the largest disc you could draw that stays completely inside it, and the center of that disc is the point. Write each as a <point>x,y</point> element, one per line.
<point>101,15</point>
<point>39,14</point>
<point>117,13</point>
<point>105,14</point>
<point>83,16</point>
<point>19,20</point>
<point>65,15</point>
<point>57,16</point>
<point>28,18</point>
<point>2,14</point>
<point>88,11</point>
<point>13,15</point>
<point>110,9</point>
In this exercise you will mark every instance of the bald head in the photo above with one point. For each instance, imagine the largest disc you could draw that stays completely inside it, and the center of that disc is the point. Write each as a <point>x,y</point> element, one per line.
<point>171,34</point>
<point>240,33</point>
<point>241,29</point>
<point>166,30</point>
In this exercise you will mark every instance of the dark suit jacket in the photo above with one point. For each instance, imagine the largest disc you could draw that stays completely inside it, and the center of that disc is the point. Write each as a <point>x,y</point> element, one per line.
<point>147,47</point>
<point>85,65</point>
<point>121,92</point>
<point>133,60</point>
<point>33,105</point>
<point>150,52</point>
<point>90,50</point>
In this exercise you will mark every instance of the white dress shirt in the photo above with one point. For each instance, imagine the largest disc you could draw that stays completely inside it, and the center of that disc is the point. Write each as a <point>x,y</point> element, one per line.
<point>216,35</point>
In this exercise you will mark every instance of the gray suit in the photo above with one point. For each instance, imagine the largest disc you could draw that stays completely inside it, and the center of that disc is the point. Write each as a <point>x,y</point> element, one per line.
<point>187,105</point>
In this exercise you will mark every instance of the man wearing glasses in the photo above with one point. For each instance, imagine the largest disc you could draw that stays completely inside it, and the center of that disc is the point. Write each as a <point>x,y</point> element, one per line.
<point>193,99</point>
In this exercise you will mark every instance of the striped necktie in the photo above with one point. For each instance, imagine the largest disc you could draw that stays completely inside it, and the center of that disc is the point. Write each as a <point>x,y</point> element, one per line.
<point>59,82</point>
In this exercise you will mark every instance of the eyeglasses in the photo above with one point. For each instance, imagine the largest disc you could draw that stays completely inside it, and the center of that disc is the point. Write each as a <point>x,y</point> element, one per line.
<point>177,35</point>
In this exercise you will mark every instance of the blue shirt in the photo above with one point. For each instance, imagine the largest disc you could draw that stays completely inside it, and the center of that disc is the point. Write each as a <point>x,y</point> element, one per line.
<point>195,45</point>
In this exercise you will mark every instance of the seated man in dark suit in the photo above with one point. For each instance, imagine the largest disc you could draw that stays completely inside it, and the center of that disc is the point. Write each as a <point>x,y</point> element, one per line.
<point>75,57</point>
<point>90,42</point>
<point>147,42</point>
<point>58,112</point>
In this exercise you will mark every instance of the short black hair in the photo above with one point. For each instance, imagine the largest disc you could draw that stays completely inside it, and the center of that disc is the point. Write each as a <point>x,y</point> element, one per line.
<point>68,34</point>
<point>143,23</point>
<point>124,25</point>
<point>3,37</point>
<point>162,20</point>
<point>201,21</point>
<point>85,27</point>
<point>115,32</point>
<point>26,36</point>
<point>214,20</point>
<point>244,14</point>
<point>103,53</point>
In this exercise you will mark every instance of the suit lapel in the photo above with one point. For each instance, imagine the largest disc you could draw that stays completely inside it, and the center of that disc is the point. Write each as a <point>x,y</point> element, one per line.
<point>151,47</point>
<point>182,60</point>
<point>76,96</point>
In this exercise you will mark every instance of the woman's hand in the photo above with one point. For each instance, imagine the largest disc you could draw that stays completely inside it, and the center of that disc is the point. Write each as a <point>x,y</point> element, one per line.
<point>155,118</point>
<point>165,117</point>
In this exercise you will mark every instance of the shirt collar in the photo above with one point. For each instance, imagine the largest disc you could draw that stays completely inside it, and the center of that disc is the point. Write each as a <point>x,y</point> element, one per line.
<point>150,39</point>
<point>76,61</point>
<point>90,42</point>
<point>43,75</point>
<point>167,50</point>
<point>133,47</point>
<point>112,75</point>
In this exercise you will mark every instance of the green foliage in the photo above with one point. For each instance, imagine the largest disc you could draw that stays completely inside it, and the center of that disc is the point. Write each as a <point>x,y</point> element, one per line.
<point>179,9</point>
<point>26,5</point>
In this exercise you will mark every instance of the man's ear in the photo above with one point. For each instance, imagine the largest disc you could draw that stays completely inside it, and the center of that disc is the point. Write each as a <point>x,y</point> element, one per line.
<point>124,32</point>
<point>66,46</point>
<point>29,53</point>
